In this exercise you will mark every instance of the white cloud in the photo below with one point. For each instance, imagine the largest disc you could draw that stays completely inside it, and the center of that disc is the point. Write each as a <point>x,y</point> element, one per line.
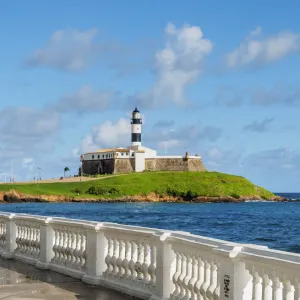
<point>258,49</point>
<point>177,65</point>
<point>67,49</point>
<point>85,100</point>
<point>107,134</point>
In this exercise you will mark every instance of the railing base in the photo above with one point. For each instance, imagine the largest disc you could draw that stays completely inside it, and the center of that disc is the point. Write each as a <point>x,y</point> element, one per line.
<point>42,265</point>
<point>89,279</point>
<point>125,289</point>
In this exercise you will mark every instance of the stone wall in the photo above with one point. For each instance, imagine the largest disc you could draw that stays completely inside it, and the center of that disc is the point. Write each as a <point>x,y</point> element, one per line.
<point>174,164</point>
<point>127,165</point>
<point>92,167</point>
<point>196,165</point>
<point>124,165</point>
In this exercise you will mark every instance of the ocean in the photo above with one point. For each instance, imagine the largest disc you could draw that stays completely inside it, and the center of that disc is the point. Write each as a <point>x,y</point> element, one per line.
<point>273,224</point>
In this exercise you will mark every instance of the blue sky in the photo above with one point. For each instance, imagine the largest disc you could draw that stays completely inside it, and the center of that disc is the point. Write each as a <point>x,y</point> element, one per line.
<point>210,77</point>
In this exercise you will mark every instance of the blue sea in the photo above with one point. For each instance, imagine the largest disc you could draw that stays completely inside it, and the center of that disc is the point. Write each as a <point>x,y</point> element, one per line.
<point>273,224</point>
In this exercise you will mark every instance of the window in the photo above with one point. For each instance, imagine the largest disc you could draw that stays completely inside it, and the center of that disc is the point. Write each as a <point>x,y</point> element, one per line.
<point>127,153</point>
<point>98,156</point>
<point>106,155</point>
<point>122,154</point>
<point>92,156</point>
<point>102,155</point>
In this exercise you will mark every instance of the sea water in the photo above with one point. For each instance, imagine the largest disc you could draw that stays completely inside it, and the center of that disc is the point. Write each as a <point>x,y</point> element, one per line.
<point>273,224</point>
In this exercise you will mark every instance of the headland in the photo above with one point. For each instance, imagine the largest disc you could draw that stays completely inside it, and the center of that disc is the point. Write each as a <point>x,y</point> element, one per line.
<point>141,187</point>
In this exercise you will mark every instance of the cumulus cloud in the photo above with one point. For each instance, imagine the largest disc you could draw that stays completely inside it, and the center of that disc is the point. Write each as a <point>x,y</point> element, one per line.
<point>258,49</point>
<point>183,137</point>
<point>259,126</point>
<point>278,94</point>
<point>177,65</point>
<point>28,122</point>
<point>26,131</point>
<point>274,159</point>
<point>86,100</point>
<point>107,134</point>
<point>67,49</point>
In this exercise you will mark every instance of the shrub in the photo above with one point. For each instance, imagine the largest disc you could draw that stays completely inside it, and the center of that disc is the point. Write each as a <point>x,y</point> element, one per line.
<point>77,191</point>
<point>99,190</point>
<point>235,195</point>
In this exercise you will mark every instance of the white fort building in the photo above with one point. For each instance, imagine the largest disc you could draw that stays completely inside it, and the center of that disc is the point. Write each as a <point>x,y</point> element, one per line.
<point>136,157</point>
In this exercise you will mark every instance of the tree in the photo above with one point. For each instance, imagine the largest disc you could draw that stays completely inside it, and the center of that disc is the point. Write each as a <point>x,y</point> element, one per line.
<point>66,169</point>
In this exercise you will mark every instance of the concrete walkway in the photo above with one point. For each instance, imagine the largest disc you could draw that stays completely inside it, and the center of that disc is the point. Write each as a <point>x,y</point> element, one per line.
<point>19,281</point>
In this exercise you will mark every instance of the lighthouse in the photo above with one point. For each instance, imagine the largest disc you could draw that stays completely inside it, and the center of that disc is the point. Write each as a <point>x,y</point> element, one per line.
<point>136,128</point>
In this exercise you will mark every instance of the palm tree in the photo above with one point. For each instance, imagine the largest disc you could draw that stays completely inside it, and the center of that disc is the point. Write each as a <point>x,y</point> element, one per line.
<point>66,169</point>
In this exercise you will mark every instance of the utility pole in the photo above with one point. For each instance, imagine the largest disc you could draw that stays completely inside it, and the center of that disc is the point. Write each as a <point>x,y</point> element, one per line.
<point>39,173</point>
<point>12,171</point>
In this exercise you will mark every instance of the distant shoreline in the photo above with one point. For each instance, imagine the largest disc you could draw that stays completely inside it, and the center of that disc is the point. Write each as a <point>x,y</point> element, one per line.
<point>10,198</point>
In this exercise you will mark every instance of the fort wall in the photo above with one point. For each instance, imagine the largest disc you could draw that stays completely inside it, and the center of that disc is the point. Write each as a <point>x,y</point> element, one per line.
<point>127,165</point>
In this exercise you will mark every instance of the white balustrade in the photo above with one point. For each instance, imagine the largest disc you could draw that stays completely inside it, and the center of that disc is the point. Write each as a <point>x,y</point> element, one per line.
<point>274,274</point>
<point>149,263</point>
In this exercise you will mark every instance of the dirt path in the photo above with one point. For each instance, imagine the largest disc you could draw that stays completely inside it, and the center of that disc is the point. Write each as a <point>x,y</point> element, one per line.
<point>67,179</point>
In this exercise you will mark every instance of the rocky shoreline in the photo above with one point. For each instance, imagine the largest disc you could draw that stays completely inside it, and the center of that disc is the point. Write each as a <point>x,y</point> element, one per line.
<point>16,197</point>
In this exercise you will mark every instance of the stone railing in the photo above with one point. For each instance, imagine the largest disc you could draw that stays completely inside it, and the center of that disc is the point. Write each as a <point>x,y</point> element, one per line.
<point>149,263</point>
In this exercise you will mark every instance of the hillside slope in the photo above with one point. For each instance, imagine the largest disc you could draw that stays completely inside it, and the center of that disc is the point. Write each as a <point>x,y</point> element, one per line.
<point>147,186</point>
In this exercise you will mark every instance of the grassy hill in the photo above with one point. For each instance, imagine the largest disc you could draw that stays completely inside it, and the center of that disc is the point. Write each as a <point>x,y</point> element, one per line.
<point>163,184</point>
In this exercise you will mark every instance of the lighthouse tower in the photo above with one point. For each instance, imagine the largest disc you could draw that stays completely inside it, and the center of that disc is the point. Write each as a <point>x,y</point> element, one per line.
<point>136,128</point>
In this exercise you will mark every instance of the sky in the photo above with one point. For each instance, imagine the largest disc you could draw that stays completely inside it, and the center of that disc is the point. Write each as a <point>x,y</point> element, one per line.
<point>216,78</point>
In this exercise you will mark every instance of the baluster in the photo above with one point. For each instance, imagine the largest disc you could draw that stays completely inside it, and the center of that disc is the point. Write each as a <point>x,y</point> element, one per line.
<point>213,281</point>
<point>200,278</point>
<point>60,245</point>
<point>277,289</point>
<point>216,293</point>
<point>138,264</point>
<point>288,290</point>
<point>182,275</point>
<point>177,273</point>
<point>22,237</point>
<point>84,255</point>
<point>187,277</point>
<point>152,266</point>
<point>193,280</point>
<point>82,248</point>
<point>38,240</point>
<point>297,288</point>
<point>114,258</point>
<point>267,288</point>
<point>34,241</point>
<point>18,237</point>
<point>73,249</point>
<point>206,283</point>
<point>125,262</point>
<point>133,260</point>
<point>146,263</point>
<point>77,252</point>
<point>109,255</point>
<point>257,286</point>
<point>55,243</point>
<point>120,258</point>
<point>27,240</point>
<point>65,246</point>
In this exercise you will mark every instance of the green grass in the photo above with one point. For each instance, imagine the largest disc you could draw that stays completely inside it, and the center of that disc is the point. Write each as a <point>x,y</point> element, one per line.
<point>191,184</point>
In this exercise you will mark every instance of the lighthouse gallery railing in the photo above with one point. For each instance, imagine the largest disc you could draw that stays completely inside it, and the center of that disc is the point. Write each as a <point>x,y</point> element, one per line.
<point>150,263</point>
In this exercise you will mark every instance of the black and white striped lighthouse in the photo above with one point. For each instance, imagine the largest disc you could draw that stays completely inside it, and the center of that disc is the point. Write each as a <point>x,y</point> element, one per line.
<point>136,128</point>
